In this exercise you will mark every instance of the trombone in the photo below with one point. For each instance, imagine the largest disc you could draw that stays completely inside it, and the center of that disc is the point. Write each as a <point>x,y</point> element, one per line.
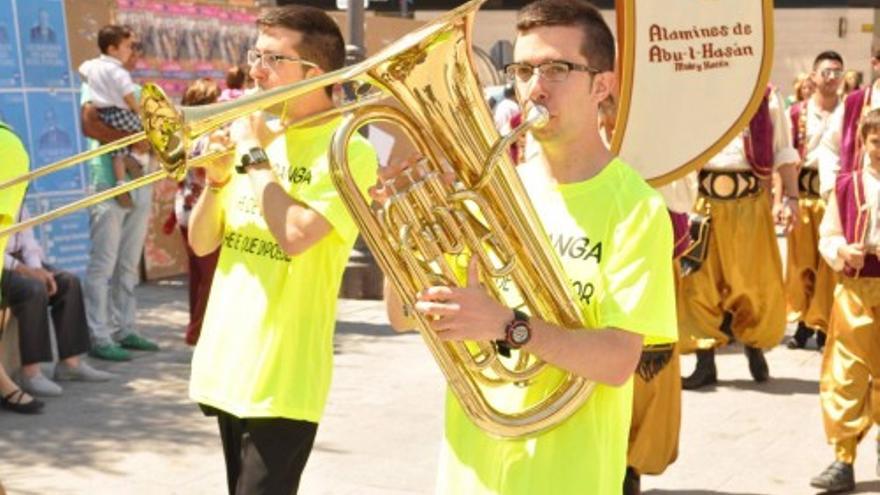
<point>170,131</point>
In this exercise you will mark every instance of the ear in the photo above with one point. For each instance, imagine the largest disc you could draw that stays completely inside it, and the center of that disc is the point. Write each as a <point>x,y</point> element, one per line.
<point>604,85</point>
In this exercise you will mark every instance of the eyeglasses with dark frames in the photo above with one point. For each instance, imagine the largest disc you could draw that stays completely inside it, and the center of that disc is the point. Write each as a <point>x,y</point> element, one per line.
<point>552,71</point>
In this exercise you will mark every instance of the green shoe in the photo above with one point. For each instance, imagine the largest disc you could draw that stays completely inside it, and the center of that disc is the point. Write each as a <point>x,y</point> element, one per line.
<point>110,352</point>
<point>138,343</point>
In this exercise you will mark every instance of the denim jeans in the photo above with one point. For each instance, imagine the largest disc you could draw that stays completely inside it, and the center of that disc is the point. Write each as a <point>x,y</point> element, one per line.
<point>117,236</point>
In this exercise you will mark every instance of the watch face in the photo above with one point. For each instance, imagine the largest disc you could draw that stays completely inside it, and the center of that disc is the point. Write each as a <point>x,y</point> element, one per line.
<point>519,334</point>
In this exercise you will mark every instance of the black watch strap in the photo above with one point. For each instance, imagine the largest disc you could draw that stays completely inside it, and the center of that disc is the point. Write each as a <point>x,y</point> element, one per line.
<point>254,155</point>
<point>502,345</point>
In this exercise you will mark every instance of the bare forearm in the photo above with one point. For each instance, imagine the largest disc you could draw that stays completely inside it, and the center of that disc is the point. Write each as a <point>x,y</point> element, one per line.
<point>788,175</point>
<point>293,225</point>
<point>607,356</point>
<point>206,223</point>
<point>95,128</point>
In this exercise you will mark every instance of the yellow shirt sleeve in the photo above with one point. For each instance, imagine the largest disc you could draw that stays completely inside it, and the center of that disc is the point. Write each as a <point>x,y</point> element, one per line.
<point>15,163</point>
<point>322,196</point>
<point>640,294</point>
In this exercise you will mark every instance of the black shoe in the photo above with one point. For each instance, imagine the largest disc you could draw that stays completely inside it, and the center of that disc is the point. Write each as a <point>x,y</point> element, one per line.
<point>13,402</point>
<point>820,340</point>
<point>757,364</point>
<point>631,482</point>
<point>800,337</point>
<point>837,478</point>
<point>704,374</point>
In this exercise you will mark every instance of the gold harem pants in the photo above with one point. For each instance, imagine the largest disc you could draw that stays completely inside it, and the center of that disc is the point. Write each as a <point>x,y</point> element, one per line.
<point>851,365</point>
<point>809,281</point>
<point>656,419</point>
<point>742,274</point>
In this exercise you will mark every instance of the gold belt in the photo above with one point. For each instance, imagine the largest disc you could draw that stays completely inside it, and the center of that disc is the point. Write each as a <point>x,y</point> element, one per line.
<point>808,183</point>
<point>732,184</point>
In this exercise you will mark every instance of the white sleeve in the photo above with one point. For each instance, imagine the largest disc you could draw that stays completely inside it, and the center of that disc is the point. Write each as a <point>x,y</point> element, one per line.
<point>123,81</point>
<point>828,152</point>
<point>783,151</point>
<point>831,236</point>
<point>681,194</point>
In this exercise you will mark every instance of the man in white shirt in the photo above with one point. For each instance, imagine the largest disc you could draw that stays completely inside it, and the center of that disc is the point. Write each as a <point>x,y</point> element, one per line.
<point>809,281</point>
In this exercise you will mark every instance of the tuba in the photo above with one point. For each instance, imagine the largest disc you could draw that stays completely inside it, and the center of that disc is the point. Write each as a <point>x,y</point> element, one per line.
<point>423,233</point>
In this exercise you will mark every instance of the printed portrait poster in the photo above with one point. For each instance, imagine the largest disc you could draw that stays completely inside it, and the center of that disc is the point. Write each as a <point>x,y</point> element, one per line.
<point>53,136</point>
<point>12,112</point>
<point>65,240</point>
<point>43,38</point>
<point>10,69</point>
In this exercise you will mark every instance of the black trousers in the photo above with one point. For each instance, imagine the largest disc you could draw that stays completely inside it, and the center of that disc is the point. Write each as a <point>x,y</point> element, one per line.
<point>28,300</point>
<point>264,456</point>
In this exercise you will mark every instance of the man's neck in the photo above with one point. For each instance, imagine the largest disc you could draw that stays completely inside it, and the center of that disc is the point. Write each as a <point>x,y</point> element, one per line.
<point>826,103</point>
<point>576,161</point>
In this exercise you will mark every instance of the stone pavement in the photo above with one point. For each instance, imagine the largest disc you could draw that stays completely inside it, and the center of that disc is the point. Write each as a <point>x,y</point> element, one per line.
<point>140,434</point>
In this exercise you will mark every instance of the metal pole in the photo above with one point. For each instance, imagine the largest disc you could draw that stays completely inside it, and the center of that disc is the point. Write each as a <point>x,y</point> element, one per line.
<point>355,50</point>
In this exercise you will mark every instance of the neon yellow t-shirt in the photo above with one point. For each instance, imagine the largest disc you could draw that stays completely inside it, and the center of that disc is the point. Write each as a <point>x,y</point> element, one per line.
<point>15,163</point>
<point>266,347</point>
<point>613,235</point>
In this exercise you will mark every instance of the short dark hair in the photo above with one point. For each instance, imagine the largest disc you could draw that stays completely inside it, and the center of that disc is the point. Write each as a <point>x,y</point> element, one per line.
<point>321,43</point>
<point>112,35</point>
<point>236,77</point>
<point>870,124</point>
<point>598,41</point>
<point>827,55</point>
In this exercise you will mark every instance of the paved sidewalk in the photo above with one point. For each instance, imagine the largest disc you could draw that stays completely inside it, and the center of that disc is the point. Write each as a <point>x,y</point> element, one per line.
<point>141,435</point>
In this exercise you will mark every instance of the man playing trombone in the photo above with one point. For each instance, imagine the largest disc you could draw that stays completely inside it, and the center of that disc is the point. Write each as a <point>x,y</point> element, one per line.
<point>263,362</point>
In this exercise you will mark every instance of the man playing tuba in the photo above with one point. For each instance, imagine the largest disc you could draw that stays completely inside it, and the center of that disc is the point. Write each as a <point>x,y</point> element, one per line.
<point>564,61</point>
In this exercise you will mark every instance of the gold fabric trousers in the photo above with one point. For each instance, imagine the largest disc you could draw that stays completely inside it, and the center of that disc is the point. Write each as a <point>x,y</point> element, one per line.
<point>742,275</point>
<point>656,419</point>
<point>851,365</point>
<point>809,281</point>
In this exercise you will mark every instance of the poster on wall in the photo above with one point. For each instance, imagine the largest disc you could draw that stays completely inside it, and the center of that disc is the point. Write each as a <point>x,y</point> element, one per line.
<point>65,240</point>
<point>10,68</point>
<point>182,42</point>
<point>54,135</point>
<point>43,40</point>
<point>12,112</point>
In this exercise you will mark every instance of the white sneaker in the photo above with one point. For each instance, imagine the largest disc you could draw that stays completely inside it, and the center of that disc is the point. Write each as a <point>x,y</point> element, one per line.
<point>82,373</point>
<point>40,386</point>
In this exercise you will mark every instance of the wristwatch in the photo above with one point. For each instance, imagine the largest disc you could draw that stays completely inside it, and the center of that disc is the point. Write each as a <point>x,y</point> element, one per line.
<point>518,332</point>
<point>253,156</point>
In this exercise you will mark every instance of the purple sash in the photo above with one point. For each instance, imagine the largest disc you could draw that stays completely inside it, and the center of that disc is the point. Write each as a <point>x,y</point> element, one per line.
<point>680,233</point>
<point>850,194</point>
<point>849,138</point>
<point>759,139</point>
<point>797,134</point>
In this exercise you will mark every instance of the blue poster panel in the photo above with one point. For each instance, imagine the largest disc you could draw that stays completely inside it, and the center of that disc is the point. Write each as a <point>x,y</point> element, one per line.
<point>12,112</point>
<point>53,136</point>
<point>43,38</point>
<point>65,240</point>
<point>10,67</point>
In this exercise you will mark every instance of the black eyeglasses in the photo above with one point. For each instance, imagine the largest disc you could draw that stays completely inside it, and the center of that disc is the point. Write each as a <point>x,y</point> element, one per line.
<point>553,70</point>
